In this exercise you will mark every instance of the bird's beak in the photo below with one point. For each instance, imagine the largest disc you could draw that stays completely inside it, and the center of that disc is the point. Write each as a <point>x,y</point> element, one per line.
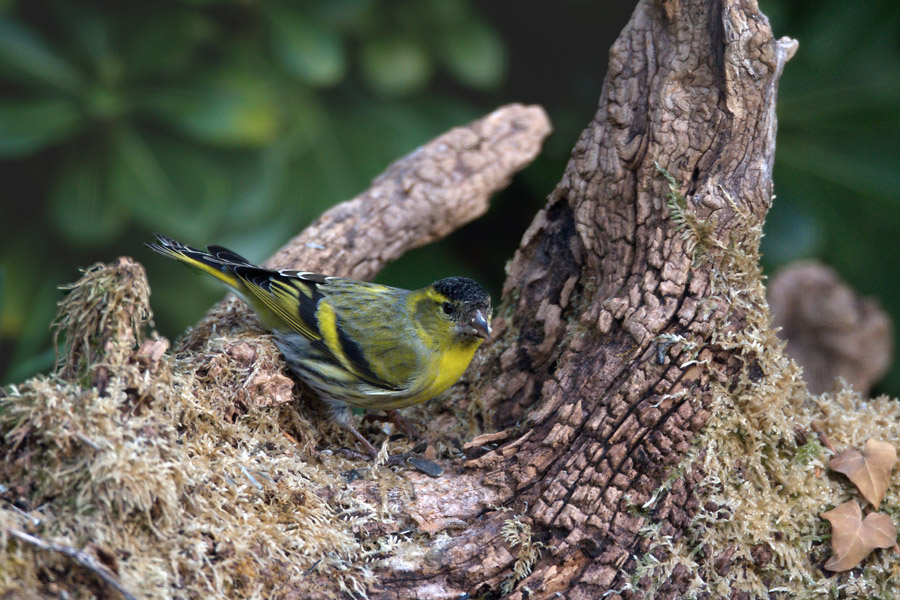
<point>480,325</point>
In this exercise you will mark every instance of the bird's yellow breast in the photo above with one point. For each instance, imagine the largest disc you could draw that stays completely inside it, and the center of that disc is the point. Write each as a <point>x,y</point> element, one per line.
<point>450,366</point>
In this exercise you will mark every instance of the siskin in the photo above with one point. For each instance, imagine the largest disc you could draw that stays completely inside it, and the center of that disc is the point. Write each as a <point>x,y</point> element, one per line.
<point>356,344</point>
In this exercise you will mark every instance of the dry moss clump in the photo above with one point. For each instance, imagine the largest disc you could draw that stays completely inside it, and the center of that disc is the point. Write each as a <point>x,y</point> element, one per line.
<point>184,477</point>
<point>765,477</point>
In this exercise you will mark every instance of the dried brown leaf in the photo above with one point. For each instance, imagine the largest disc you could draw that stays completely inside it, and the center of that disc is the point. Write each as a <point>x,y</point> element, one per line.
<point>853,538</point>
<point>869,470</point>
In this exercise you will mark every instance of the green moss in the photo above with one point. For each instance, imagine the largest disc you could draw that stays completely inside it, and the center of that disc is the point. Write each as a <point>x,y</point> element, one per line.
<point>697,234</point>
<point>811,450</point>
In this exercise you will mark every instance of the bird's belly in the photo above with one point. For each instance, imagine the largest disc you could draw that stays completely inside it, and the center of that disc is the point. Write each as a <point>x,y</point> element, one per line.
<point>447,371</point>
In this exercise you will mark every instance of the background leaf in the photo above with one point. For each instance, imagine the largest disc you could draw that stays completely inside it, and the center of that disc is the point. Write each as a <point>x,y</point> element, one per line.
<point>25,56</point>
<point>28,126</point>
<point>236,111</point>
<point>81,206</point>
<point>308,48</point>
<point>396,67</point>
<point>474,53</point>
<point>169,186</point>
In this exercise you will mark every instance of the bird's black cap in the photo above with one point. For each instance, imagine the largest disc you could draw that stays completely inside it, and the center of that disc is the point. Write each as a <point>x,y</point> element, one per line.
<point>463,289</point>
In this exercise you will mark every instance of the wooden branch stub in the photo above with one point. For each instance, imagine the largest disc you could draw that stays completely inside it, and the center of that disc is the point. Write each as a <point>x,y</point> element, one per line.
<point>422,197</point>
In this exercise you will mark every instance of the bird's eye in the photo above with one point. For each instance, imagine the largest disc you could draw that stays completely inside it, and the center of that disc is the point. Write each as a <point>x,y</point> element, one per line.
<point>448,308</point>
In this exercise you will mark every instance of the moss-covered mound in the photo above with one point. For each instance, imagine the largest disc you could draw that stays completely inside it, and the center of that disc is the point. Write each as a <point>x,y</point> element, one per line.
<point>185,476</point>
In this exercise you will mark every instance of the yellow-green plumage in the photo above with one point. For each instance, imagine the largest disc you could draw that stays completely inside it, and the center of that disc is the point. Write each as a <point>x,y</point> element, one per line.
<point>356,343</point>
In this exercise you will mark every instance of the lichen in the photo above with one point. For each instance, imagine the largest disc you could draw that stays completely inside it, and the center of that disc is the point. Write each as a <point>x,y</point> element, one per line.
<point>517,534</point>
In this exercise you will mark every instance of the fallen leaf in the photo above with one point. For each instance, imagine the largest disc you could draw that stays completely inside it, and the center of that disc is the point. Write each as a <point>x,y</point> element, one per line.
<point>870,469</point>
<point>853,538</point>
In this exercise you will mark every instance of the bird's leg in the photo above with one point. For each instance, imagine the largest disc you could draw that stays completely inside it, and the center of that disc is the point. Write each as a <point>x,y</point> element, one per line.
<point>344,417</point>
<point>366,444</point>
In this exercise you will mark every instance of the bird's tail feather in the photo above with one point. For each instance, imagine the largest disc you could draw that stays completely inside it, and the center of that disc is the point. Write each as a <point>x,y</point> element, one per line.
<point>220,264</point>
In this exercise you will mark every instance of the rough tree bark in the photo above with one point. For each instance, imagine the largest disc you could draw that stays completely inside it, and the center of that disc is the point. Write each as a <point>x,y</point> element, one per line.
<point>595,405</point>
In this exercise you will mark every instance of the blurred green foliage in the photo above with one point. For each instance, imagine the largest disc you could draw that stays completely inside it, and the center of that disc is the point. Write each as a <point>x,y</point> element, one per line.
<point>227,121</point>
<point>237,122</point>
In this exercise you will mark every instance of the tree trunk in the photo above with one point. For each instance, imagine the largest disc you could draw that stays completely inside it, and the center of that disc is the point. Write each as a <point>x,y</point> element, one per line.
<point>611,335</point>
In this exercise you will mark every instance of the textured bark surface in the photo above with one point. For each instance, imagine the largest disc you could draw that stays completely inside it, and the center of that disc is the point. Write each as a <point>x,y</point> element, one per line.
<point>596,405</point>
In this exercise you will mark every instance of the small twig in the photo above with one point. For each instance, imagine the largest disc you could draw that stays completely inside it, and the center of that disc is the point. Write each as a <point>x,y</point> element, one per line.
<point>85,560</point>
<point>22,514</point>
<point>88,442</point>
<point>309,570</point>
<point>823,437</point>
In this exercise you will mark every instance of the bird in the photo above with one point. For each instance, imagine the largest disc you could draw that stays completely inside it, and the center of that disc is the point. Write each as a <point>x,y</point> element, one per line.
<point>356,344</point>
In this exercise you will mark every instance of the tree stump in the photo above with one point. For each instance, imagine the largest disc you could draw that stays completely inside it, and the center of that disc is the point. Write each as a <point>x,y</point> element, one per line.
<point>620,318</point>
<point>615,315</point>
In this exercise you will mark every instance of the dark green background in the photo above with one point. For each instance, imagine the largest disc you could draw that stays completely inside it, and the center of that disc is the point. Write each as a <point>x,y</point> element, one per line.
<point>237,122</point>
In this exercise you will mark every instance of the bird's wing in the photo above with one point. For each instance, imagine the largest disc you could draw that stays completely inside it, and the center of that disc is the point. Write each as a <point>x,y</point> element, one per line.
<point>290,295</point>
<point>301,301</point>
<point>328,312</point>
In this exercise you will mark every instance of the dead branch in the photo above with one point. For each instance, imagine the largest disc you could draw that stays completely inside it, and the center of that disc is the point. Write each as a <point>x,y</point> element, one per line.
<point>422,197</point>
